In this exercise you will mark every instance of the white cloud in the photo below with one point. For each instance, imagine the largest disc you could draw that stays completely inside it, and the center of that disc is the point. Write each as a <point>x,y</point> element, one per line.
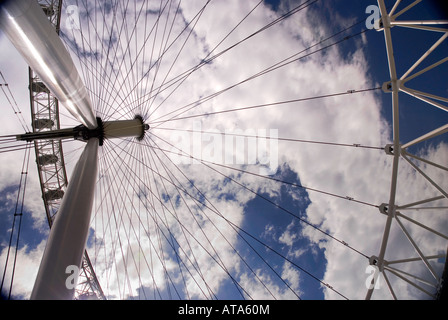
<point>289,236</point>
<point>28,261</point>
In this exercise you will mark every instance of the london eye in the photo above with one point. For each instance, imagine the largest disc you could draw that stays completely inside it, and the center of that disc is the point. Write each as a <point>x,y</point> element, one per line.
<point>224,149</point>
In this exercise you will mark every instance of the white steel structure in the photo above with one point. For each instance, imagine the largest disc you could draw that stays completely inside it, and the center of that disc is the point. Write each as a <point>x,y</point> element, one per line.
<point>399,150</point>
<point>54,71</point>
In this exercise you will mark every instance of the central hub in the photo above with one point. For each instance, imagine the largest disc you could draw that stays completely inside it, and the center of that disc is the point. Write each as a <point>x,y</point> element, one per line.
<point>125,128</point>
<point>114,129</point>
<point>105,130</point>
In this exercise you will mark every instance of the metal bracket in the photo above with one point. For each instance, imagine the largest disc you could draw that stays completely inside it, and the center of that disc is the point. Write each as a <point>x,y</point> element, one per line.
<point>386,210</point>
<point>387,87</point>
<point>389,149</point>
<point>81,132</point>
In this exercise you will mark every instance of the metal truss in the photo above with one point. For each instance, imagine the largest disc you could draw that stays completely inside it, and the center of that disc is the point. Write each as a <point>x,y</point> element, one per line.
<point>88,287</point>
<point>396,214</point>
<point>50,157</point>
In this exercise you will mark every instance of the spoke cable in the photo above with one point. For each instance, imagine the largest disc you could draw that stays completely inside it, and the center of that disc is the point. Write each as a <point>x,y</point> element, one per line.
<point>206,61</point>
<point>12,102</point>
<point>182,225</point>
<point>274,67</point>
<point>18,212</point>
<point>295,216</point>
<point>157,215</point>
<point>351,145</point>
<point>177,219</point>
<point>156,62</point>
<point>216,211</point>
<point>202,63</point>
<point>348,92</point>
<point>273,203</point>
<point>179,187</point>
<point>220,215</point>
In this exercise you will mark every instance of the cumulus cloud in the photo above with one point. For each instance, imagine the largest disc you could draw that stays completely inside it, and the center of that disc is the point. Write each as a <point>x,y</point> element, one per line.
<point>28,261</point>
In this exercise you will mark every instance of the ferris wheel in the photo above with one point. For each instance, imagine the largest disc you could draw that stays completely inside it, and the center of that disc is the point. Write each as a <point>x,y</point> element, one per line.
<point>179,157</point>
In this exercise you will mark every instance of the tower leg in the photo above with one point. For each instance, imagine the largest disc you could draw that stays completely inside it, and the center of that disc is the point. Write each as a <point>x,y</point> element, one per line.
<point>68,236</point>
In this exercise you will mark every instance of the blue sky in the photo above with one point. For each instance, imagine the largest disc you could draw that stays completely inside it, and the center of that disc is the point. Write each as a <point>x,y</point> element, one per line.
<point>276,227</point>
<point>407,50</point>
<point>271,224</point>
